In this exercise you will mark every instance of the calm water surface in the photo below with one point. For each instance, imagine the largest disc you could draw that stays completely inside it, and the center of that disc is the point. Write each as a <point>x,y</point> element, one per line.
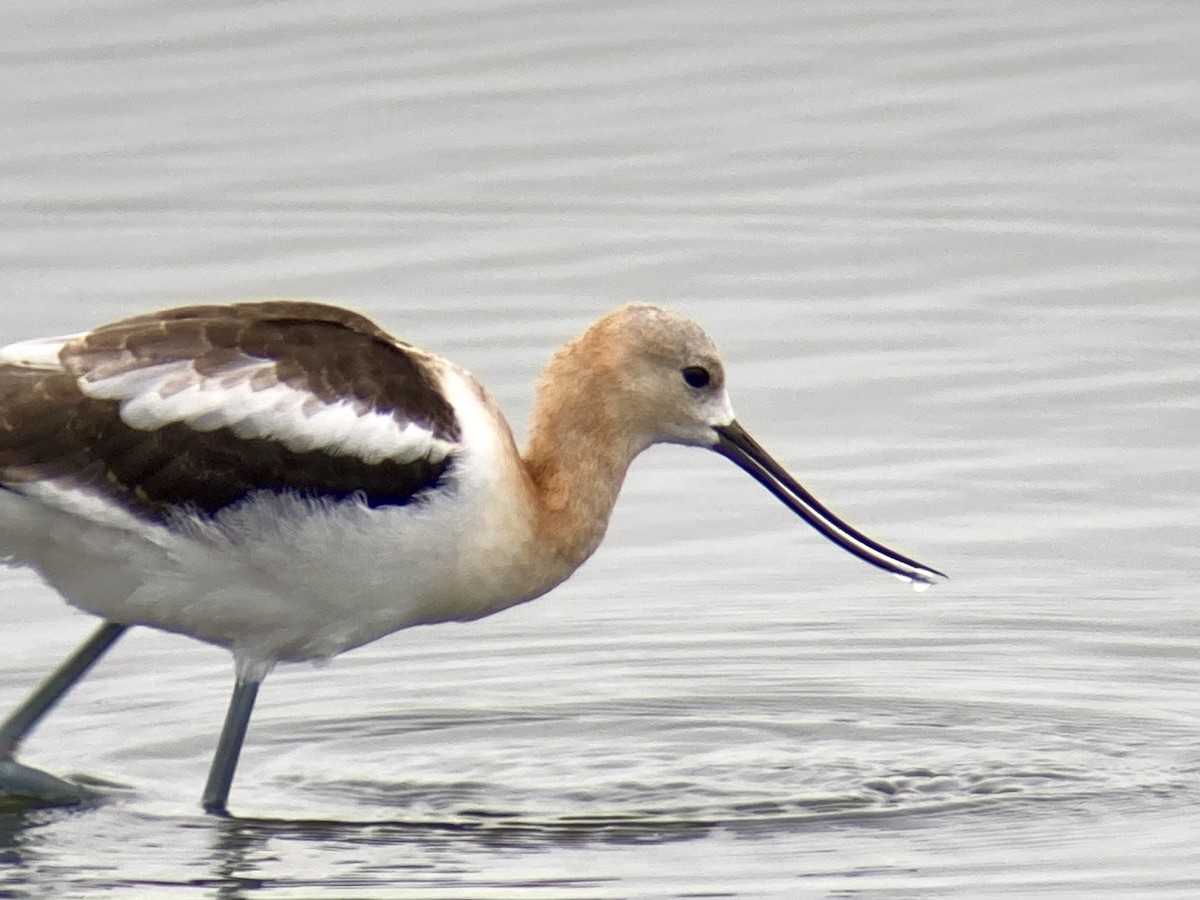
<point>949,252</point>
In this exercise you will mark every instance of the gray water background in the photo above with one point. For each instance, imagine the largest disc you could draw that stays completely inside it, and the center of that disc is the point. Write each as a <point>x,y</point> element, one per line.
<point>949,252</point>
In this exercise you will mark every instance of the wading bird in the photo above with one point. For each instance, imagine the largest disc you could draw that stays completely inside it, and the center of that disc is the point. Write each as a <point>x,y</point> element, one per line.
<point>289,481</point>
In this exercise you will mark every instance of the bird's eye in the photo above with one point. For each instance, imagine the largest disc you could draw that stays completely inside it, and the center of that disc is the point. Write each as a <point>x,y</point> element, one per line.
<point>696,376</point>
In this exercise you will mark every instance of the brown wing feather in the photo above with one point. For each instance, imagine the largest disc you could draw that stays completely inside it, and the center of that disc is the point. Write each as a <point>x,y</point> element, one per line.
<point>331,352</point>
<point>50,429</point>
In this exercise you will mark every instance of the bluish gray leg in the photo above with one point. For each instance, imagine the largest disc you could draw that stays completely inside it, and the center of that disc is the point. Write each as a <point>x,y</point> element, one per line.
<point>229,746</point>
<point>17,780</point>
<point>28,714</point>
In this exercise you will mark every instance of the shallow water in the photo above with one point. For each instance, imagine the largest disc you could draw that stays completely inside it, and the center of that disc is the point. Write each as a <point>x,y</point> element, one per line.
<point>949,255</point>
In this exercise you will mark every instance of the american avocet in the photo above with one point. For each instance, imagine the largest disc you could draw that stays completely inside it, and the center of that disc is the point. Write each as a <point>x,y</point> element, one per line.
<point>289,481</point>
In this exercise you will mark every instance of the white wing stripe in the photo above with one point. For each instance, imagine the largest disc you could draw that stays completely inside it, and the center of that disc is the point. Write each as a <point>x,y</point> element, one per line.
<point>39,353</point>
<point>248,400</point>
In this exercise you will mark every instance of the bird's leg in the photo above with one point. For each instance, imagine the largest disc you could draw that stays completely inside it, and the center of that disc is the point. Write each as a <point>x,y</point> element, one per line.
<point>28,714</point>
<point>229,745</point>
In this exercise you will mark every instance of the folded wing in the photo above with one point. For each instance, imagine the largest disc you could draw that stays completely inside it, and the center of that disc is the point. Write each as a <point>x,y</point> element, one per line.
<point>201,406</point>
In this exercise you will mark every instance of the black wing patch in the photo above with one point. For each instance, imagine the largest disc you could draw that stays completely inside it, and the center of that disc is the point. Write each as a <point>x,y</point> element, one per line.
<point>50,428</point>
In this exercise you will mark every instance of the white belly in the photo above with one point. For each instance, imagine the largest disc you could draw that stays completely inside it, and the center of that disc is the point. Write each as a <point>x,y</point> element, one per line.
<point>277,578</point>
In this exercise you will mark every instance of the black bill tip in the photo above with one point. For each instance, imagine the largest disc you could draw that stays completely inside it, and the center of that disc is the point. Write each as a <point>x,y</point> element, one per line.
<point>734,443</point>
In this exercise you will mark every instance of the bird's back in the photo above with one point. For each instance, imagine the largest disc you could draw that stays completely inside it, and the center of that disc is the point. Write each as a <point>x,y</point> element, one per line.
<point>202,406</point>
<point>275,447</point>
